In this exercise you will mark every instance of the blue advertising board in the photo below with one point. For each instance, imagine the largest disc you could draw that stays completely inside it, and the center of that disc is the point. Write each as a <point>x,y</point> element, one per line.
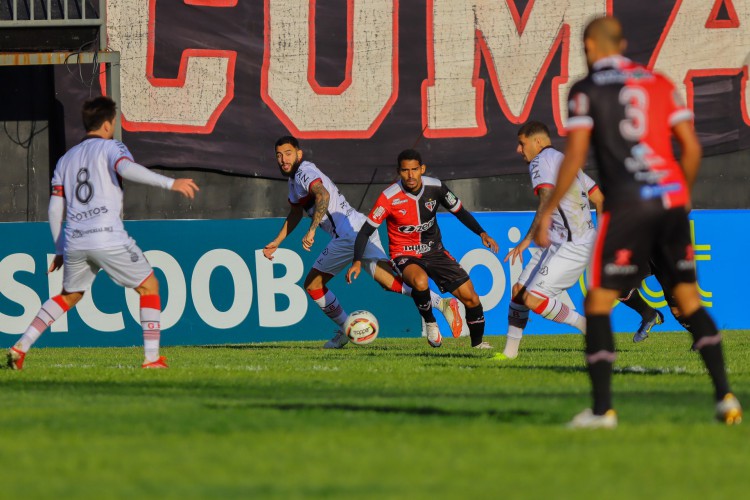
<point>217,287</point>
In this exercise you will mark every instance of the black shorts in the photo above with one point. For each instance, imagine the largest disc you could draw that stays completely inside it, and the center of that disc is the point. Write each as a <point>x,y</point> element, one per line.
<point>629,239</point>
<point>440,266</point>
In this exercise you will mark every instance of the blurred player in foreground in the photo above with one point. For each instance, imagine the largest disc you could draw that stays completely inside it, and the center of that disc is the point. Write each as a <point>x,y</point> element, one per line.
<point>87,192</point>
<point>629,114</point>
<point>410,207</point>
<point>312,192</point>
<point>559,266</point>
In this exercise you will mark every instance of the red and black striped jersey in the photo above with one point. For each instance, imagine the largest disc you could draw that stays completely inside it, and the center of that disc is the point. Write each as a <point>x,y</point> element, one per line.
<point>630,111</point>
<point>411,218</point>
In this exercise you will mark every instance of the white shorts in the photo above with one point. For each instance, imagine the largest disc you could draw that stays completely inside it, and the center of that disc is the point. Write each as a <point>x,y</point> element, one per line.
<point>555,269</point>
<point>126,265</point>
<point>339,252</point>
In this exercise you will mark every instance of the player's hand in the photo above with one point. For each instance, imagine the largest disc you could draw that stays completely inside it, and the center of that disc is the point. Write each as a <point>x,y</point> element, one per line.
<point>308,240</point>
<point>185,187</point>
<point>541,235</point>
<point>269,250</point>
<point>353,272</point>
<point>489,242</point>
<point>517,253</point>
<point>56,264</point>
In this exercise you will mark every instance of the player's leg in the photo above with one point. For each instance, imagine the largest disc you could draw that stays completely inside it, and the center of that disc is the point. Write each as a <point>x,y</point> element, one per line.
<point>78,274</point>
<point>560,268</point>
<point>518,317</point>
<point>332,260</point>
<point>150,316</point>
<point>385,277</point>
<point>128,267</point>
<point>675,254</point>
<point>474,313</point>
<point>664,280</point>
<point>415,276</point>
<point>650,317</point>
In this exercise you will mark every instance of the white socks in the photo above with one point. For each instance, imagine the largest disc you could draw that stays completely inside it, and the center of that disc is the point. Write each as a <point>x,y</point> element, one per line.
<point>48,314</point>
<point>329,304</point>
<point>558,312</point>
<point>151,324</point>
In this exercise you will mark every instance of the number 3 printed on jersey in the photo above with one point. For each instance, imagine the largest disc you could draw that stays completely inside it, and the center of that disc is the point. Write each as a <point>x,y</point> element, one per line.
<point>635,101</point>
<point>84,189</point>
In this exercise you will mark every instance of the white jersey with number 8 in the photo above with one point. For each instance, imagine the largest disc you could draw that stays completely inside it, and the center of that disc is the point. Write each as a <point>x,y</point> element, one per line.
<point>87,177</point>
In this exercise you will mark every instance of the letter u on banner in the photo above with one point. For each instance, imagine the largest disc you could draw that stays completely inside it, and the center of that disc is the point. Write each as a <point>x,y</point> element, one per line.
<point>357,107</point>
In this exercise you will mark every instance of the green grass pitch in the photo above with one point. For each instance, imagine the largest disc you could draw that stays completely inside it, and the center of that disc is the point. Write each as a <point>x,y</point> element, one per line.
<point>396,419</point>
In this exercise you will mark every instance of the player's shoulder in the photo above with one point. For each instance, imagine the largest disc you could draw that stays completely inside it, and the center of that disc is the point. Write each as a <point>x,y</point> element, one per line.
<point>391,191</point>
<point>431,181</point>
<point>307,172</point>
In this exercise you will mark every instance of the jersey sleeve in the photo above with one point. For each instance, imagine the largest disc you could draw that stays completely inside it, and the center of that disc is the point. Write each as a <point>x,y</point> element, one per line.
<point>448,199</point>
<point>677,110</point>
<point>117,151</point>
<point>380,211</point>
<point>579,108</point>
<point>307,175</point>
<point>588,183</point>
<point>57,182</point>
<point>542,174</point>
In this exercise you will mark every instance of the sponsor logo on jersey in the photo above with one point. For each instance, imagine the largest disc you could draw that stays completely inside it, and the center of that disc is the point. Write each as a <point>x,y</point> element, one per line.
<point>417,229</point>
<point>544,271</point>
<point>378,213</point>
<point>402,211</point>
<point>402,261</point>
<point>88,214</point>
<point>399,201</point>
<point>451,198</point>
<point>430,205</point>
<point>420,249</point>
<point>622,257</point>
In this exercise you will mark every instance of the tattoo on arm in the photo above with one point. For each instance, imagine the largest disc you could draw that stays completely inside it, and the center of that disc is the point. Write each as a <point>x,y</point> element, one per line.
<point>322,196</point>
<point>544,195</point>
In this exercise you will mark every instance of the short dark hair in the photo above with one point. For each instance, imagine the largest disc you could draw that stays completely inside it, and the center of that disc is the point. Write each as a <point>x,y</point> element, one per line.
<point>532,128</point>
<point>287,139</point>
<point>408,154</point>
<point>96,111</point>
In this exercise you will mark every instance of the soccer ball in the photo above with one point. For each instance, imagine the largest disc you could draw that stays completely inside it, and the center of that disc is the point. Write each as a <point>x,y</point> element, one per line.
<point>361,327</point>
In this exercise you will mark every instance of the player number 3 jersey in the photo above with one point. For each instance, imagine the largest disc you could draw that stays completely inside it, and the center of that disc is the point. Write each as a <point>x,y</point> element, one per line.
<point>86,176</point>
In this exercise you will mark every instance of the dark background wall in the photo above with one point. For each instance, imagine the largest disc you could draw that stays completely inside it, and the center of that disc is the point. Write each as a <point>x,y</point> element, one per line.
<point>32,138</point>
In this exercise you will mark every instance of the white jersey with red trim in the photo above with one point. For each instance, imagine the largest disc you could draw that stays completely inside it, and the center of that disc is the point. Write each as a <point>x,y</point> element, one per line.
<point>572,219</point>
<point>340,219</point>
<point>87,177</point>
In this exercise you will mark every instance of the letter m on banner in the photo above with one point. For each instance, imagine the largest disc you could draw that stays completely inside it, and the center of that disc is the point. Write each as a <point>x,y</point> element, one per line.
<point>517,49</point>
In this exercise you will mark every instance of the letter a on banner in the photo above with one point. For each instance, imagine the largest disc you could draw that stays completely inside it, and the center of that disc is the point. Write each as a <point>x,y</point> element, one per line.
<point>357,107</point>
<point>190,103</point>
<point>705,39</point>
<point>517,49</point>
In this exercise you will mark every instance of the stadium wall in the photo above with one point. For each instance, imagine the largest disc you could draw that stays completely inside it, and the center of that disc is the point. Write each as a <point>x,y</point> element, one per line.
<point>218,288</point>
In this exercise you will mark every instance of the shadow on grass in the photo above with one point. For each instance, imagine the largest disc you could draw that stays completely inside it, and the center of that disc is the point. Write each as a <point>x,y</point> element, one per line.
<point>502,415</point>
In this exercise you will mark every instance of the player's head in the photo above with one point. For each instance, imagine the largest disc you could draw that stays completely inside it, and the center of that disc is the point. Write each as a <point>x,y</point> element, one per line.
<point>410,169</point>
<point>288,155</point>
<point>533,136</point>
<point>99,116</point>
<point>603,38</point>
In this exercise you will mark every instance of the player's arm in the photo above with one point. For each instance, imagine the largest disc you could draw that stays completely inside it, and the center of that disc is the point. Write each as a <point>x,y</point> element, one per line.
<point>690,147</point>
<point>292,219</point>
<point>322,197</point>
<point>576,149</point>
<point>543,192</point>
<point>56,215</point>
<point>132,171</point>
<point>597,198</point>
<point>360,244</point>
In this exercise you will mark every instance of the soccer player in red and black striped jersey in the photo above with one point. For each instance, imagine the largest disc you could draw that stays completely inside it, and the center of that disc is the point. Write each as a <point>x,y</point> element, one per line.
<point>630,114</point>
<point>410,207</point>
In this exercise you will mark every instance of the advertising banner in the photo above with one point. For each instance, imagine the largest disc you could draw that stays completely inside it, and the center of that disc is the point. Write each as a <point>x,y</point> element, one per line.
<point>212,84</point>
<point>218,288</point>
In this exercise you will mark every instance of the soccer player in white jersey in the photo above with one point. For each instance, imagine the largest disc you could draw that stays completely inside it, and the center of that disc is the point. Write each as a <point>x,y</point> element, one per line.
<point>557,268</point>
<point>313,193</point>
<point>86,186</point>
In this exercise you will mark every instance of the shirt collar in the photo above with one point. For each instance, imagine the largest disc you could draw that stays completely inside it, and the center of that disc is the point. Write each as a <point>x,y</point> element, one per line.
<point>615,61</point>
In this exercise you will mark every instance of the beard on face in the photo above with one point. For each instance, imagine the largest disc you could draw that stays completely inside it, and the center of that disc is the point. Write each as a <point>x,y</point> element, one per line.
<point>293,170</point>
